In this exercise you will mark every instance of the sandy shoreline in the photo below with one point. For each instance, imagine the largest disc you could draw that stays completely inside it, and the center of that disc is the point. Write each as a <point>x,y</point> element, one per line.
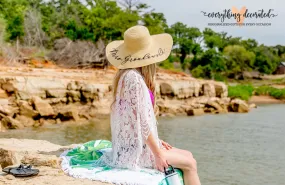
<point>41,154</point>
<point>265,100</point>
<point>47,176</point>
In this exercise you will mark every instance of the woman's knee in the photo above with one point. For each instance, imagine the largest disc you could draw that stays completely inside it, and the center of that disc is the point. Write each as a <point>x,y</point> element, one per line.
<point>188,154</point>
<point>191,163</point>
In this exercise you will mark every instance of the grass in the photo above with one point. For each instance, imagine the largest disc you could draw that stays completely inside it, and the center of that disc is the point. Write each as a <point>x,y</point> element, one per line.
<point>279,80</point>
<point>271,91</point>
<point>243,92</point>
<point>167,64</point>
<point>246,91</point>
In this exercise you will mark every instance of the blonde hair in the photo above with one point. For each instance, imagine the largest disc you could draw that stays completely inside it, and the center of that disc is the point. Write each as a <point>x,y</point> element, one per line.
<point>148,72</point>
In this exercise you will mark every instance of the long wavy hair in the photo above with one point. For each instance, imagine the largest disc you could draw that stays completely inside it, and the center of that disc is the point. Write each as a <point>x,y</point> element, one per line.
<point>148,72</point>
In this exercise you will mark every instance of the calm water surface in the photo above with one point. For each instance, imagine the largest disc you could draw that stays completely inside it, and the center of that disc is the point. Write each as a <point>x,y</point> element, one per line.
<point>231,149</point>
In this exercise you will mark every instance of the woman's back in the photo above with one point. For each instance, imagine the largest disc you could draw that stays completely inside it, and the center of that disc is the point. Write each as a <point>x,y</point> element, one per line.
<point>132,120</point>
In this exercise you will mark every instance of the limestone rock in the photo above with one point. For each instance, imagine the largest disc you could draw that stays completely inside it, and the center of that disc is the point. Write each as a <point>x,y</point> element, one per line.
<point>26,151</point>
<point>4,101</point>
<point>2,128</point>
<point>221,89</point>
<point>27,110</point>
<point>238,105</point>
<point>252,105</point>
<point>198,105</point>
<point>72,86</point>
<point>69,112</point>
<point>180,89</point>
<point>28,145</point>
<point>210,110</point>
<point>3,93</point>
<point>157,90</point>
<point>100,109</point>
<point>169,106</point>
<point>198,100</point>
<point>10,123</point>
<point>217,107</point>
<point>26,121</point>
<point>209,89</point>
<point>88,96</point>
<point>86,115</point>
<point>27,87</point>
<point>10,177</point>
<point>53,101</point>
<point>75,95</point>
<point>95,88</point>
<point>8,110</point>
<point>224,101</point>
<point>6,158</point>
<point>8,86</point>
<point>166,89</point>
<point>41,160</point>
<point>43,107</point>
<point>58,121</point>
<point>37,124</point>
<point>54,93</point>
<point>195,112</point>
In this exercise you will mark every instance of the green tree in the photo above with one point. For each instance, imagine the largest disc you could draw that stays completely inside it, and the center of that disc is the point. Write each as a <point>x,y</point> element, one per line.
<point>211,60</point>
<point>13,11</point>
<point>249,44</point>
<point>238,60</point>
<point>155,22</point>
<point>212,39</point>
<point>186,39</point>
<point>266,61</point>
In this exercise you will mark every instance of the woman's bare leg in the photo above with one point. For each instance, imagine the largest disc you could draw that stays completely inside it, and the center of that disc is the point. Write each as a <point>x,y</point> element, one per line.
<point>184,160</point>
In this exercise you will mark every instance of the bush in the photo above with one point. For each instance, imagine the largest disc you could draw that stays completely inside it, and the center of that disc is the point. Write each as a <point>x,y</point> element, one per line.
<point>198,72</point>
<point>243,92</point>
<point>220,77</point>
<point>166,64</point>
<point>172,58</point>
<point>202,72</point>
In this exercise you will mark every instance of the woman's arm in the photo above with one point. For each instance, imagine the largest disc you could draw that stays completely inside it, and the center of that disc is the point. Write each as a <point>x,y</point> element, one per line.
<point>160,160</point>
<point>152,145</point>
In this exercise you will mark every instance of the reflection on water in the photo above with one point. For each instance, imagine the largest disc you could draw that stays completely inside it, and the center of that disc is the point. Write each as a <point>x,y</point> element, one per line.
<point>231,149</point>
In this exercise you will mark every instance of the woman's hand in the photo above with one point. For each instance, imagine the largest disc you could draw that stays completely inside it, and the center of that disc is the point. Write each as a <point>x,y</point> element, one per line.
<point>160,161</point>
<point>166,145</point>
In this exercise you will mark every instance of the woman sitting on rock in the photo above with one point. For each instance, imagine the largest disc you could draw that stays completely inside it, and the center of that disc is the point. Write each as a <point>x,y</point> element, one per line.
<point>135,141</point>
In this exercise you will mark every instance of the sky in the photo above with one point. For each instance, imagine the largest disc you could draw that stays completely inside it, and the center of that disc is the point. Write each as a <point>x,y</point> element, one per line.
<point>189,13</point>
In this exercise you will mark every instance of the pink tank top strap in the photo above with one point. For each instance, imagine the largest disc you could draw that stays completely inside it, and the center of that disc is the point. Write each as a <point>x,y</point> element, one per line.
<point>151,96</point>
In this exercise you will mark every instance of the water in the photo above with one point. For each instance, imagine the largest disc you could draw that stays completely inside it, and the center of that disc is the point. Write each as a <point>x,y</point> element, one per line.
<point>231,149</point>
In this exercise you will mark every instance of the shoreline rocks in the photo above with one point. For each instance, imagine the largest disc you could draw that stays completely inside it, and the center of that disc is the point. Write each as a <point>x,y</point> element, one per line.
<point>56,96</point>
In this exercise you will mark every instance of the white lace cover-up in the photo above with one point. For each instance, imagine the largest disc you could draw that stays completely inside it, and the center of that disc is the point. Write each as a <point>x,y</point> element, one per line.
<point>132,120</point>
<point>127,160</point>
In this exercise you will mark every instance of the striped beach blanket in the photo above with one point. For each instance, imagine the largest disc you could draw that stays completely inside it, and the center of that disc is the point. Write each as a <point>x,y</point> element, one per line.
<point>81,162</point>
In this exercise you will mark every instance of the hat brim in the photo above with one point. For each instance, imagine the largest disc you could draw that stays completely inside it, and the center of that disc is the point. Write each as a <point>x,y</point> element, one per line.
<point>123,57</point>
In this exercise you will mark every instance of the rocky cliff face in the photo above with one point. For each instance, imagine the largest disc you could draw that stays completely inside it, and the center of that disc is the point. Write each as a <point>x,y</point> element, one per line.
<point>33,97</point>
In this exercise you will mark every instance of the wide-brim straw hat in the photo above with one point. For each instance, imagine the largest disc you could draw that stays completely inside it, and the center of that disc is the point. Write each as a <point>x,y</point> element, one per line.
<point>139,48</point>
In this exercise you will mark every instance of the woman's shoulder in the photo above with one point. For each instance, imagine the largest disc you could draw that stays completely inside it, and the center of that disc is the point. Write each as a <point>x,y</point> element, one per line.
<point>133,75</point>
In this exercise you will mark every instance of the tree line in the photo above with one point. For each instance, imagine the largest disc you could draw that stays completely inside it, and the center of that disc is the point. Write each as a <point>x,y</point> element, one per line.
<point>205,53</point>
